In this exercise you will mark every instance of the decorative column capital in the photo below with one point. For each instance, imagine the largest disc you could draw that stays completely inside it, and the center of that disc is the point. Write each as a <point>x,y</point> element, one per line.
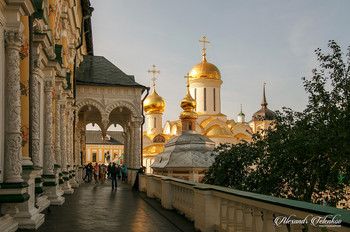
<point>14,39</point>
<point>136,124</point>
<point>48,84</point>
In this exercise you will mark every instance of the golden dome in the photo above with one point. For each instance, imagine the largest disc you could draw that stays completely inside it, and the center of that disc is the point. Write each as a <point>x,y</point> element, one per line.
<point>188,104</point>
<point>205,70</point>
<point>154,103</point>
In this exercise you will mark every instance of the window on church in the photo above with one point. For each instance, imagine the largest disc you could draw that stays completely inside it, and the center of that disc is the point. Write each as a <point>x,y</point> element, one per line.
<point>214,99</point>
<point>205,99</point>
<point>155,123</point>
<point>195,98</point>
<point>190,126</point>
<point>94,155</point>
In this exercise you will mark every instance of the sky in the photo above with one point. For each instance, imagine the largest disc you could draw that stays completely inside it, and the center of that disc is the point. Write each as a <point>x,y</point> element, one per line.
<point>251,42</point>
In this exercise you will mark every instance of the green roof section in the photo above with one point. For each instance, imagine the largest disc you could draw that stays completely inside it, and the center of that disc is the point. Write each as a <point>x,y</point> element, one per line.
<point>69,83</point>
<point>98,71</point>
<point>58,52</point>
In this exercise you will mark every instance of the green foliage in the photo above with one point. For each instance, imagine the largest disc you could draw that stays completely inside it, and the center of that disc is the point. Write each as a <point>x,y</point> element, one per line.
<point>307,154</point>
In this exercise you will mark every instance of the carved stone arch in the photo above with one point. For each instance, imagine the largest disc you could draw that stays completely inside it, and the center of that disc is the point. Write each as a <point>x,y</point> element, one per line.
<point>120,103</point>
<point>91,102</point>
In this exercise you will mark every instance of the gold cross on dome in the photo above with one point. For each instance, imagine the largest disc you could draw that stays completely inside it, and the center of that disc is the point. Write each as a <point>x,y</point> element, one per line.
<point>188,80</point>
<point>204,41</point>
<point>154,74</point>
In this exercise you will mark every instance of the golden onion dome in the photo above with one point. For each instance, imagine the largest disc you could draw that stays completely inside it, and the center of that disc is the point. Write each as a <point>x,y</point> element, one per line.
<point>205,70</point>
<point>154,103</point>
<point>188,104</point>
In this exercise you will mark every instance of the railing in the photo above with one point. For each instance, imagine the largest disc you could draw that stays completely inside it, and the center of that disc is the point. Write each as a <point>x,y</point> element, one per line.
<point>214,208</point>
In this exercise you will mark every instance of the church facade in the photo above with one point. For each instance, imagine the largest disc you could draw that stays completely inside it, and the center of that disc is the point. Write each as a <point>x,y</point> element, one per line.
<point>204,86</point>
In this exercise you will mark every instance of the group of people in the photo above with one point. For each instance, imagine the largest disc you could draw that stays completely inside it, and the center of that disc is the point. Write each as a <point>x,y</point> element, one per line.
<point>100,171</point>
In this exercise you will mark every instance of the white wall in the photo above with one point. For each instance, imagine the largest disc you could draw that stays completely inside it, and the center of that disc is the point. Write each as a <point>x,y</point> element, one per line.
<point>197,92</point>
<point>151,128</point>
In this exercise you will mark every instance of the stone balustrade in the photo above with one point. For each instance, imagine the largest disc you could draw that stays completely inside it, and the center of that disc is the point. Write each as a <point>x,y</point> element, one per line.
<point>215,208</point>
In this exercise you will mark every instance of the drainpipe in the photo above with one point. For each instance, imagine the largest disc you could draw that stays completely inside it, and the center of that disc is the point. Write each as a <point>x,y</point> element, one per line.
<point>143,122</point>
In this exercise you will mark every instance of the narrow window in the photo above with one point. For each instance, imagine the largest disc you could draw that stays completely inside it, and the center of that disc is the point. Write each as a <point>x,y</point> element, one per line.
<point>205,99</point>
<point>93,157</point>
<point>214,99</point>
<point>195,98</point>
<point>190,126</point>
<point>155,123</point>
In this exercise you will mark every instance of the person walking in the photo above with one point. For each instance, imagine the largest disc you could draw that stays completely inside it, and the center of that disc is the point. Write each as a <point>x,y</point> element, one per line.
<point>124,173</point>
<point>86,173</point>
<point>114,176</point>
<point>102,173</point>
<point>88,170</point>
<point>109,170</point>
<point>96,173</point>
<point>118,171</point>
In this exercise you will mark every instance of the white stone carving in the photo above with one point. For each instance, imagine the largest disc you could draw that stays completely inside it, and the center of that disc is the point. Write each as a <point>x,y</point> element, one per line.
<point>91,102</point>
<point>38,25</point>
<point>35,117</point>
<point>63,138</point>
<point>50,51</point>
<point>58,130</point>
<point>48,146</point>
<point>121,103</point>
<point>13,168</point>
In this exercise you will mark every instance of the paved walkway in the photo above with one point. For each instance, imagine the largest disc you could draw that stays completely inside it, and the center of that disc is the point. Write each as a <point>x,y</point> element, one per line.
<point>95,207</point>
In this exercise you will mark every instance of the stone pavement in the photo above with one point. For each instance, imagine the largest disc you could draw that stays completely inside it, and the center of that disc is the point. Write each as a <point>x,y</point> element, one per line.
<point>95,207</point>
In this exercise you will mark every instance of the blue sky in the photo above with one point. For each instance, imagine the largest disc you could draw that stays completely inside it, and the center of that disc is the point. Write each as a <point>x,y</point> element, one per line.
<point>252,42</point>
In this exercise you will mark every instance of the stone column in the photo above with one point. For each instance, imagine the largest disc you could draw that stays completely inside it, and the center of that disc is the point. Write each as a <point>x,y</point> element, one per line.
<point>13,146</point>
<point>78,143</point>
<point>137,144</point>
<point>48,146</point>
<point>58,130</point>
<point>68,139</point>
<point>72,171</point>
<point>127,147</point>
<point>35,116</point>
<point>63,138</point>
<point>41,200</point>
<point>66,187</point>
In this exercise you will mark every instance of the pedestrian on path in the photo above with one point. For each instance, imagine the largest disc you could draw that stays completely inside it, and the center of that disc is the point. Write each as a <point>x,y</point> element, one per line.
<point>102,173</point>
<point>114,177</point>
<point>118,171</point>
<point>124,173</point>
<point>96,173</point>
<point>109,170</point>
<point>88,169</point>
<point>135,187</point>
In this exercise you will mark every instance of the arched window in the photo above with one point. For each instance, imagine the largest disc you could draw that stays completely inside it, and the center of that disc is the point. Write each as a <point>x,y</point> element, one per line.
<point>155,123</point>
<point>159,139</point>
<point>214,99</point>
<point>205,99</point>
<point>195,98</point>
<point>190,126</point>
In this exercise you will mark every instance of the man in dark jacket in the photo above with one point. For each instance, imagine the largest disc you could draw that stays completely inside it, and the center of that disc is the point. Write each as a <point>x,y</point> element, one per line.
<point>114,176</point>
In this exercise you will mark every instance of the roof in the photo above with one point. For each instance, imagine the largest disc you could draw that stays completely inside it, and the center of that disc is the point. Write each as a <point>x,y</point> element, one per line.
<point>95,137</point>
<point>264,113</point>
<point>97,70</point>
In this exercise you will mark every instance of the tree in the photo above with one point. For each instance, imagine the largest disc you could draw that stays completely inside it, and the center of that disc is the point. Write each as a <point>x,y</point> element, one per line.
<point>307,154</point>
